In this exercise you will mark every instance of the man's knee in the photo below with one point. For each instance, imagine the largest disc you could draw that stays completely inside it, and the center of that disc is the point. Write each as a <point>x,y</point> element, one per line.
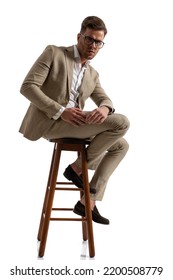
<point>120,123</point>
<point>124,122</point>
<point>123,144</point>
<point>119,120</point>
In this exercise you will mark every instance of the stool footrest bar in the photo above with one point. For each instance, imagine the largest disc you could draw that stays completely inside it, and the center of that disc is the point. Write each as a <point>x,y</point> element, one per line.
<point>64,183</point>
<point>62,209</point>
<point>68,189</point>
<point>66,219</point>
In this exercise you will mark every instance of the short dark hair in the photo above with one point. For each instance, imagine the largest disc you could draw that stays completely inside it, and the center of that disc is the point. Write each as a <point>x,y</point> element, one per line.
<point>93,22</point>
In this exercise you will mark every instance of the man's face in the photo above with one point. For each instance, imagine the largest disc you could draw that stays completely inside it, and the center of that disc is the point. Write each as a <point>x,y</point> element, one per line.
<point>87,49</point>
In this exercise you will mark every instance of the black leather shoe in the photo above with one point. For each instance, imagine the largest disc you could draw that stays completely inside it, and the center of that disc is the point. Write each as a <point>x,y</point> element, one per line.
<point>79,209</point>
<point>71,175</point>
<point>97,218</point>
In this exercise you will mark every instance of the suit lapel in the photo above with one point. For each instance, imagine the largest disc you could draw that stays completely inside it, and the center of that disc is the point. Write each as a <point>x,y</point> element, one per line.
<point>85,81</point>
<point>84,87</point>
<point>69,55</point>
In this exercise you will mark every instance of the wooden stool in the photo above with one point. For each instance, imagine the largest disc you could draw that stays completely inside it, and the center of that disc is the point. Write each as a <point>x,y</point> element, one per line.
<point>66,144</point>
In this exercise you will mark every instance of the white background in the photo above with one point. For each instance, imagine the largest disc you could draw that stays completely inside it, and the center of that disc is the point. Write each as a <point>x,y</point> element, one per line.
<point>136,68</point>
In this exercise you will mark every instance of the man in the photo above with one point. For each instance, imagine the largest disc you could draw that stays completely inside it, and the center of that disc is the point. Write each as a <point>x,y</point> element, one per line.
<point>57,86</point>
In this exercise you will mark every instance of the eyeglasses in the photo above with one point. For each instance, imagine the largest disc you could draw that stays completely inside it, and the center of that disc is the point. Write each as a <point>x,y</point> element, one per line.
<point>89,41</point>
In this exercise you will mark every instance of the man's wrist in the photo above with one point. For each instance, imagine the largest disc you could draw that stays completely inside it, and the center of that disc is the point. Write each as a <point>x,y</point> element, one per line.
<point>106,107</point>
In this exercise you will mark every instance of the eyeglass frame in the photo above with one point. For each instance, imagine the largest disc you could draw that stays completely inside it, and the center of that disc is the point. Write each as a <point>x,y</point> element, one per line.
<point>92,40</point>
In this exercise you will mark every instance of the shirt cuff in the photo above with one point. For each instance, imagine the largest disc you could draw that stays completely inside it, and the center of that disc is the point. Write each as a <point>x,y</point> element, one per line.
<point>58,114</point>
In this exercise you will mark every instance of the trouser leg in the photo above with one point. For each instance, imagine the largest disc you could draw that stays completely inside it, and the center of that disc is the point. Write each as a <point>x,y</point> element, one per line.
<point>104,154</point>
<point>106,167</point>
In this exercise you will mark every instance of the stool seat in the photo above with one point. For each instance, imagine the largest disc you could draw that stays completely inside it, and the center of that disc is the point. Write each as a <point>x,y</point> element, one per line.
<point>66,144</point>
<point>71,141</point>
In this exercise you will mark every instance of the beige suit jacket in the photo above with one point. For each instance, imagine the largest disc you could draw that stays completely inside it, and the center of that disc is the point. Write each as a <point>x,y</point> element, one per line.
<point>48,85</point>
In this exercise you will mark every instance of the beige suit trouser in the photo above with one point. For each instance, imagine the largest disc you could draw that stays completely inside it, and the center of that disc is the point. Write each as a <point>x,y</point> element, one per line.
<point>106,150</point>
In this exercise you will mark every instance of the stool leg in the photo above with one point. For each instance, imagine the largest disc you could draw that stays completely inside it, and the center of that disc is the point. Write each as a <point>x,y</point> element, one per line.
<point>84,224</point>
<point>39,237</point>
<point>84,229</point>
<point>48,209</point>
<point>87,202</point>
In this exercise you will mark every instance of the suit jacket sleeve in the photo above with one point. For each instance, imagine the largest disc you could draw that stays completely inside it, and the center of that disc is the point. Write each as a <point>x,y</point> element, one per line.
<point>32,86</point>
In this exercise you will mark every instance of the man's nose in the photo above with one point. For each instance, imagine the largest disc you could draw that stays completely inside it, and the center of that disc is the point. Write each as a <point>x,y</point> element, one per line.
<point>94,44</point>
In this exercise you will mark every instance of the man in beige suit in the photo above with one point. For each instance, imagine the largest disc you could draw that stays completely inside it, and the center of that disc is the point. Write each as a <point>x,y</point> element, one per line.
<point>57,86</point>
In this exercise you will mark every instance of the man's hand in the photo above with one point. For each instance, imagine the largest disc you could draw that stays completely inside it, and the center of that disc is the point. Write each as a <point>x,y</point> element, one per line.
<point>74,116</point>
<point>97,116</point>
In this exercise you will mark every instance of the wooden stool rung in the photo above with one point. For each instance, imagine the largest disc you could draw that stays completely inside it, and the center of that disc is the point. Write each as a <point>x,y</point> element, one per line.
<point>62,209</point>
<point>68,189</point>
<point>67,219</point>
<point>64,183</point>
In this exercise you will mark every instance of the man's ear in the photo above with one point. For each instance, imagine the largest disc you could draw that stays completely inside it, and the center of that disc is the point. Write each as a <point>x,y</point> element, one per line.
<point>78,36</point>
